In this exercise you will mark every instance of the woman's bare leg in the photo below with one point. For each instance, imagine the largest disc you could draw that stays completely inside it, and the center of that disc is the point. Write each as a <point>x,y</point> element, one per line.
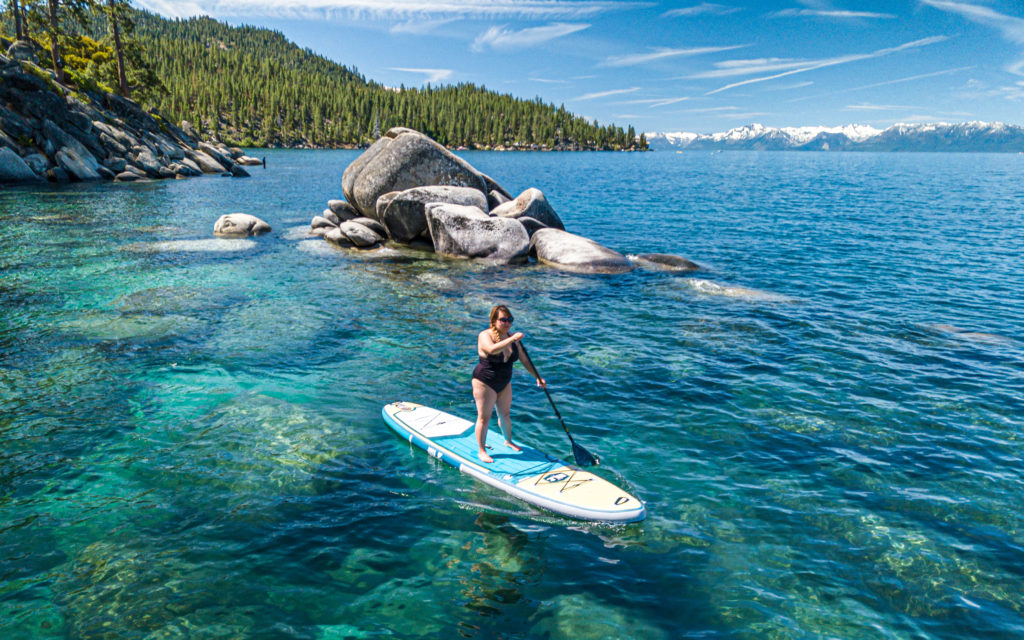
<point>485,398</point>
<point>504,402</point>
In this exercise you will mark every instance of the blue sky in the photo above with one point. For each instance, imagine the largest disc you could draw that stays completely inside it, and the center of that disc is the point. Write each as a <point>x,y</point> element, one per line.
<point>678,66</point>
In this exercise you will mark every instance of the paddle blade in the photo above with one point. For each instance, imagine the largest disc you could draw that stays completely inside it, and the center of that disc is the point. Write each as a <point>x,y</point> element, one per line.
<point>583,457</point>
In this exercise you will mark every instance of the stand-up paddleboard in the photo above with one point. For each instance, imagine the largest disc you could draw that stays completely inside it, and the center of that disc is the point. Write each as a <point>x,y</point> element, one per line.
<point>530,475</point>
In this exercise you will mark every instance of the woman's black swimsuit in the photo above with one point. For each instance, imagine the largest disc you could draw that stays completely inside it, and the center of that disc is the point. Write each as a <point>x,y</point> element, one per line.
<point>495,371</point>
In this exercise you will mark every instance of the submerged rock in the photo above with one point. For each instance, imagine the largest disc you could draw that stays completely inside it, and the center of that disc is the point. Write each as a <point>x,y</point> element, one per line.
<point>664,262</point>
<point>571,252</point>
<point>239,225</point>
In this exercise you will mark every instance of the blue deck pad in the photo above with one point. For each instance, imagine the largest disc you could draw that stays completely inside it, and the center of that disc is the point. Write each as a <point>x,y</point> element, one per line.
<point>546,481</point>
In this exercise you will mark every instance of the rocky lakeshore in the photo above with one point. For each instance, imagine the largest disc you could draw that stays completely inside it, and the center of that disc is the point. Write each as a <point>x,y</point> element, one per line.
<point>50,132</point>
<point>408,189</point>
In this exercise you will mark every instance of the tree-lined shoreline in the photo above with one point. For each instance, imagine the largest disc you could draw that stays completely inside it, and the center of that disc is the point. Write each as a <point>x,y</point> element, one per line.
<point>252,87</point>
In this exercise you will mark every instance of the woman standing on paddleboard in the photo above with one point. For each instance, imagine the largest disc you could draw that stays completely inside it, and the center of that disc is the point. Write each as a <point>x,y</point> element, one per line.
<point>492,378</point>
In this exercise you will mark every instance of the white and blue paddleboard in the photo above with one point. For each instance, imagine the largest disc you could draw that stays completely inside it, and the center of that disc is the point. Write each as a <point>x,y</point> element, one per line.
<point>530,475</point>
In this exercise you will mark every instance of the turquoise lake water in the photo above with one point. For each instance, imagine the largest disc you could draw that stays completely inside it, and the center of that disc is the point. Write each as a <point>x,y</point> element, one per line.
<point>825,422</point>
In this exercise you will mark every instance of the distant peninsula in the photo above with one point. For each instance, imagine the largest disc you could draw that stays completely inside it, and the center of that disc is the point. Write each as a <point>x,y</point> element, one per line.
<point>993,137</point>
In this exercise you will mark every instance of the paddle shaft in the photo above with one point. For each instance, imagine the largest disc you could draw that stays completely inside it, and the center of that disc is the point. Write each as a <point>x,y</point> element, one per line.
<point>583,457</point>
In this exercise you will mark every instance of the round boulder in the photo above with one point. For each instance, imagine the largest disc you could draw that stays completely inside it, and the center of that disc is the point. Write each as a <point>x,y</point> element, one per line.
<point>460,231</point>
<point>405,215</point>
<point>372,224</point>
<point>236,225</point>
<point>359,235</point>
<point>336,237</point>
<point>409,160</point>
<point>343,210</point>
<point>319,222</point>
<point>571,252</point>
<point>530,203</point>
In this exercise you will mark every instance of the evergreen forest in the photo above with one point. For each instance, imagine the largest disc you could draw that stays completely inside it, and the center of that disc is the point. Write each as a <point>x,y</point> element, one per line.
<point>252,87</point>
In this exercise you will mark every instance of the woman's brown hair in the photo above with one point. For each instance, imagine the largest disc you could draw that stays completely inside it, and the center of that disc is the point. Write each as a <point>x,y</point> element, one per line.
<point>495,312</point>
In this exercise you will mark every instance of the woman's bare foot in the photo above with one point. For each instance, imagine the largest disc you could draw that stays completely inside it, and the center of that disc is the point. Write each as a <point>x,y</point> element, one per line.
<point>508,443</point>
<point>484,457</point>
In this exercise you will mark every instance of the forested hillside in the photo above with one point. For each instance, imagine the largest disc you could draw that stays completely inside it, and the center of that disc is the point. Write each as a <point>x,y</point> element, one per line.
<point>251,86</point>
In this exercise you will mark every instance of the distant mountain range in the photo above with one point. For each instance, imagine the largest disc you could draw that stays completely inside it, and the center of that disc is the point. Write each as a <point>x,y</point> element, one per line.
<point>966,136</point>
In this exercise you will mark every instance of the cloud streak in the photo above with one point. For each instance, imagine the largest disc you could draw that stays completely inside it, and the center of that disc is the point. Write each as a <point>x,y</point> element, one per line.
<point>433,75</point>
<point>704,8</point>
<point>605,94</point>
<point>831,62</point>
<point>502,38</point>
<point>338,9</point>
<point>661,53</point>
<point>831,13</point>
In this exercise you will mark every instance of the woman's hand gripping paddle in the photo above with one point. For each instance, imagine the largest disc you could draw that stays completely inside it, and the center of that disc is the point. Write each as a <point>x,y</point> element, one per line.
<point>583,457</point>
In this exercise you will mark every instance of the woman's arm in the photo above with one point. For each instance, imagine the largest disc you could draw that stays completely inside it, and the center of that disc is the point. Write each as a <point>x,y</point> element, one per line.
<point>486,345</point>
<point>532,369</point>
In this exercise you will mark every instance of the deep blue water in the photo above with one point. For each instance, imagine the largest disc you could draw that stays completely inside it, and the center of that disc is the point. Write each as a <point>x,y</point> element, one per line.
<point>825,422</point>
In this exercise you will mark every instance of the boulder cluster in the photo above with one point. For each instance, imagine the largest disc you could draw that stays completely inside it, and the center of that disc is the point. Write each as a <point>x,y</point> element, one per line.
<point>49,132</point>
<point>409,189</point>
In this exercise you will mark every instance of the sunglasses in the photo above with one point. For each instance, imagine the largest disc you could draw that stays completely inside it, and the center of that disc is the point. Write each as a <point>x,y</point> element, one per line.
<point>505,320</point>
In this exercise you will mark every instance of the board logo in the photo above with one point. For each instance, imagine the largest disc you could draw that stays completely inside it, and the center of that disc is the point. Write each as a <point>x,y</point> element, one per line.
<point>621,500</point>
<point>556,477</point>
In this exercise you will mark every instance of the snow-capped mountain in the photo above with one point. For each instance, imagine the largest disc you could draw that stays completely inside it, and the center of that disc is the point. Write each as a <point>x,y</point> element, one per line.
<point>941,136</point>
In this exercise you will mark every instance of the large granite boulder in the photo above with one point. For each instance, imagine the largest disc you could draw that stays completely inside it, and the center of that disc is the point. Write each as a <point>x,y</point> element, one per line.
<point>571,252</point>
<point>205,162</point>
<point>461,231</point>
<point>221,156</point>
<point>532,204</point>
<point>80,164</point>
<point>401,160</point>
<point>14,169</point>
<point>236,225</point>
<point>22,50</point>
<point>405,215</point>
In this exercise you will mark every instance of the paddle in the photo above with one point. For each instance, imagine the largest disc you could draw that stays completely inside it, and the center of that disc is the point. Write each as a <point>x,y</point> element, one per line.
<point>583,457</point>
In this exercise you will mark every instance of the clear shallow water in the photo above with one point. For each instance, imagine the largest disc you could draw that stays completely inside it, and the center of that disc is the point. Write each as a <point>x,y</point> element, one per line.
<point>825,423</point>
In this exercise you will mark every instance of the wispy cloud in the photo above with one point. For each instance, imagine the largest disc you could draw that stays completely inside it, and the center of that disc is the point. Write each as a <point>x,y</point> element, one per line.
<point>729,68</point>
<point>548,81</point>
<point>704,8</point>
<point>420,26</point>
<point>433,75</point>
<point>1011,27</point>
<point>790,87</point>
<point>831,13</point>
<point>884,83</point>
<point>812,65</point>
<point>660,53</point>
<point>881,107</point>
<point>502,38</point>
<point>605,94</point>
